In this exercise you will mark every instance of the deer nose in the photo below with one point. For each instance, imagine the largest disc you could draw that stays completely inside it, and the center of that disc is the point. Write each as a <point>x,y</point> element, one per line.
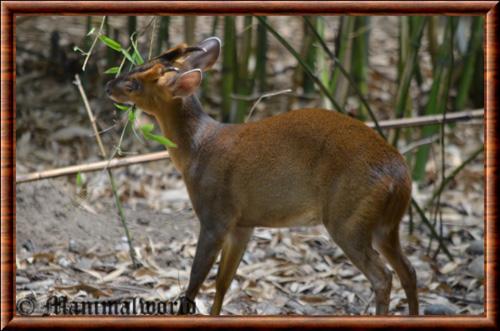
<point>108,88</point>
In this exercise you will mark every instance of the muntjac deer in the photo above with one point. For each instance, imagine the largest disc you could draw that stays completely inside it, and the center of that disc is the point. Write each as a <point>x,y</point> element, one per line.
<point>301,168</point>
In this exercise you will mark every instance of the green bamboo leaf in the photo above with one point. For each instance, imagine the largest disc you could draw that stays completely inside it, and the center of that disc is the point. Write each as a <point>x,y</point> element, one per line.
<point>146,130</point>
<point>161,139</point>
<point>112,70</point>
<point>91,31</point>
<point>122,107</point>
<point>111,43</point>
<point>131,116</point>
<point>137,58</point>
<point>79,179</point>
<point>128,56</point>
<point>136,55</point>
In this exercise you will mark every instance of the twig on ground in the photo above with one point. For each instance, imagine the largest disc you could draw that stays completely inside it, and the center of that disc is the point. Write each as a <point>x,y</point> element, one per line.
<point>96,166</point>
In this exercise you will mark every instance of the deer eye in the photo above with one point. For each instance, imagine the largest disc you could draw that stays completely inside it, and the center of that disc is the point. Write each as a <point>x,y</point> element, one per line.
<point>133,85</point>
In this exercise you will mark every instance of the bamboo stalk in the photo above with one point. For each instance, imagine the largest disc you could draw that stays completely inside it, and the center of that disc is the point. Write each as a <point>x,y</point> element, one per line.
<point>110,174</point>
<point>360,58</point>
<point>308,53</point>
<point>347,76</point>
<point>152,38</point>
<point>88,27</point>
<point>439,93</point>
<point>407,66</point>
<point>163,39</point>
<point>243,77</point>
<point>467,75</point>
<point>431,228</point>
<point>189,29</point>
<point>132,26</point>
<point>261,57</point>
<point>228,70</point>
<point>306,68</point>
<point>446,180</point>
<point>339,84</point>
<point>126,161</point>
<point>78,84</point>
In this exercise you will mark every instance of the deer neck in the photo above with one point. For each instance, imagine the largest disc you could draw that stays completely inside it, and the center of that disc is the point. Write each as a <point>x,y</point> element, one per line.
<point>186,124</point>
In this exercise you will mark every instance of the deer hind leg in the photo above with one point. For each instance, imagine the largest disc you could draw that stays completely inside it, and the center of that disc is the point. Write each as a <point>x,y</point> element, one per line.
<point>389,246</point>
<point>354,237</point>
<point>232,252</point>
<point>359,250</point>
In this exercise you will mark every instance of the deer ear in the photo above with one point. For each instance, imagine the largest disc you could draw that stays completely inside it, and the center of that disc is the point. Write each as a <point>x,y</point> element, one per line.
<point>187,83</point>
<point>207,55</point>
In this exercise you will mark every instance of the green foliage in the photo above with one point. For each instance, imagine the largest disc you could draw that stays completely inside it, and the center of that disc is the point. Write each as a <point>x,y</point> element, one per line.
<point>122,107</point>
<point>112,70</point>
<point>301,62</point>
<point>412,27</point>
<point>135,59</point>
<point>128,56</point>
<point>309,54</point>
<point>438,97</point>
<point>342,70</point>
<point>113,44</point>
<point>339,66</point>
<point>79,180</point>
<point>146,131</point>
<point>116,46</point>
<point>131,116</point>
<point>136,56</point>
<point>467,75</point>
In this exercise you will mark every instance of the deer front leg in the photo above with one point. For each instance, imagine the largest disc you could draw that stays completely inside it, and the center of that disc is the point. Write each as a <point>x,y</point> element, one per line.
<point>210,242</point>
<point>232,251</point>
